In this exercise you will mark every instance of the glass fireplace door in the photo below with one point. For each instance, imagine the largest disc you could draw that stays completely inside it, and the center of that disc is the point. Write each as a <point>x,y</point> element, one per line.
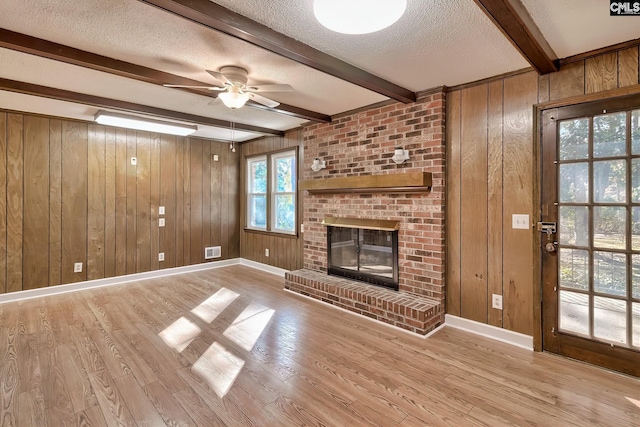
<point>366,255</point>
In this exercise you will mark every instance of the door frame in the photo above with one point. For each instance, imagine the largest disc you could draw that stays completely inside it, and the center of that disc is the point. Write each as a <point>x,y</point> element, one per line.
<point>545,113</point>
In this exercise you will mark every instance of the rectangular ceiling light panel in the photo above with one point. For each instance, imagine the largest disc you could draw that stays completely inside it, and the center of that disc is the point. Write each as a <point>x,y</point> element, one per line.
<point>139,123</point>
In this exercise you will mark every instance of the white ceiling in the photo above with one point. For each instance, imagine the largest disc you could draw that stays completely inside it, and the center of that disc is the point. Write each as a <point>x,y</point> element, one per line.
<point>436,42</point>
<point>577,26</point>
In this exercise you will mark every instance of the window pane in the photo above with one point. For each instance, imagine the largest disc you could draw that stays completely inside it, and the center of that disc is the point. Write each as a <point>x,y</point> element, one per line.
<point>609,227</point>
<point>610,319</point>
<point>574,139</point>
<point>609,135</point>
<point>609,181</point>
<point>574,312</point>
<point>635,131</point>
<point>635,180</point>
<point>258,177</point>
<point>285,216</point>
<point>636,275</point>
<point>610,273</point>
<point>635,229</point>
<point>574,225</point>
<point>636,324</point>
<point>574,179</point>
<point>285,175</point>
<point>257,211</point>
<point>574,269</point>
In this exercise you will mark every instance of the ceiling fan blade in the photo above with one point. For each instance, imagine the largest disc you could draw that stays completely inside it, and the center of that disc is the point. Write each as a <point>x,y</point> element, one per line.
<point>262,100</point>
<point>197,87</point>
<point>270,88</point>
<point>219,76</point>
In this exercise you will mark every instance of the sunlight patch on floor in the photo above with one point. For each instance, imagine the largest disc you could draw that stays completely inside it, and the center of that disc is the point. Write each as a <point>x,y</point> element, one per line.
<point>248,326</point>
<point>635,402</point>
<point>219,368</point>
<point>211,308</point>
<point>179,334</point>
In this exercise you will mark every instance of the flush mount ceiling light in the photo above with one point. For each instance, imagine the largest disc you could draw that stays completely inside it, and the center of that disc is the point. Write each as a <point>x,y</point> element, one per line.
<point>358,16</point>
<point>140,123</point>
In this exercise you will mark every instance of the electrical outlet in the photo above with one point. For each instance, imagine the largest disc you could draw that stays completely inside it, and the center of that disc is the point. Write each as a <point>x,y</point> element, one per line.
<point>266,252</point>
<point>134,161</point>
<point>77,267</point>
<point>520,221</point>
<point>496,301</point>
<point>161,256</point>
<point>302,228</point>
<point>161,222</point>
<point>161,210</point>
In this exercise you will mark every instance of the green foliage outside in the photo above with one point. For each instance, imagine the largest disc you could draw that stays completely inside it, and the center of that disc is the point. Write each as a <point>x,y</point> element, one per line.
<point>608,185</point>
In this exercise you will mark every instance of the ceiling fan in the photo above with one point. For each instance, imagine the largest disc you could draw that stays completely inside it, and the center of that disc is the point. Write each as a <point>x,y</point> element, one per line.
<point>236,92</point>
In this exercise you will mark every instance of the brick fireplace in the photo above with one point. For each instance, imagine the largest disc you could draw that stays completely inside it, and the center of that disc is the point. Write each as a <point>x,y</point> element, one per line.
<point>360,144</point>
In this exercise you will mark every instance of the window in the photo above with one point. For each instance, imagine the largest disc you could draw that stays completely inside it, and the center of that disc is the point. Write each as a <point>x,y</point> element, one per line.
<point>271,192</point>
<point>257,193</point>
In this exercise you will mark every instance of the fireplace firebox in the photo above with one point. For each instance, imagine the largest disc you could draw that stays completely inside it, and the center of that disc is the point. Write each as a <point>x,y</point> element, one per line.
<point>363,250</point>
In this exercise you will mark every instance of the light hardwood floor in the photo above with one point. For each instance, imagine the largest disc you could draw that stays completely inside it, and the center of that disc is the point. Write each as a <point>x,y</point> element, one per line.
<point>230,347</point>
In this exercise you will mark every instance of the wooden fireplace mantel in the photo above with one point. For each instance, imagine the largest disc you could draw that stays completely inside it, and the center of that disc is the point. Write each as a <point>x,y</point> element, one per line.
<point>403,182</point>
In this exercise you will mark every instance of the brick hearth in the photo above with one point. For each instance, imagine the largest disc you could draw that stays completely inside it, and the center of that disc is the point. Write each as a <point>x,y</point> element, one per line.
<point>407,311</point>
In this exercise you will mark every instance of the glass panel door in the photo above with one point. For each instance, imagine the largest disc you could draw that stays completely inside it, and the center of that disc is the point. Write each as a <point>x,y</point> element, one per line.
<point>591,271</point>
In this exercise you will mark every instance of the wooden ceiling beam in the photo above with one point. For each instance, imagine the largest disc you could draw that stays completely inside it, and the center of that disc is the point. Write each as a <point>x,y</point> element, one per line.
<point>216,17</point>
<point>130,107</point>
<point>58,52</point>
<point>512,18</point>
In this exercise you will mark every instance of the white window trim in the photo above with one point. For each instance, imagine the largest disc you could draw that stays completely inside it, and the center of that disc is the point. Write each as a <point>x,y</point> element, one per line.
<point>274,193</point>
<point>270,195</point>
<point>250,193</point>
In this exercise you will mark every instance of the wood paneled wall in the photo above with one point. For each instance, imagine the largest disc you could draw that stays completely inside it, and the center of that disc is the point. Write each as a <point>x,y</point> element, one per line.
<point>69,193</point>
<point>490,176</point>
<point>284,251</point>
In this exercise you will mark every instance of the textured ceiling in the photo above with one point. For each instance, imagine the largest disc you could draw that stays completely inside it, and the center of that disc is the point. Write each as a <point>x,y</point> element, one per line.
<point>436,42</point>
<point>577,26</point>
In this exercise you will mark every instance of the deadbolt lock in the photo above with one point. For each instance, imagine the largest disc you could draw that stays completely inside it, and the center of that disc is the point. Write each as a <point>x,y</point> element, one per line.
<point>547,227</point>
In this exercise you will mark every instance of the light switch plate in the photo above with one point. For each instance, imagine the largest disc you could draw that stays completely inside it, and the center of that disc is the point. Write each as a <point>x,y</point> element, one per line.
<point>134,161</point>
<point>161,210</point>
<point>215,157</point>
<point>161,222</point>
<point>520,221</point>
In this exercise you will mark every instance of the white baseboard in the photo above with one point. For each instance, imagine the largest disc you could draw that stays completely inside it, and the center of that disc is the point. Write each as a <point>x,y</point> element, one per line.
<point>264,267</point>
<point>498,334</point>
<point>109,281</point>
<point>379,322</point>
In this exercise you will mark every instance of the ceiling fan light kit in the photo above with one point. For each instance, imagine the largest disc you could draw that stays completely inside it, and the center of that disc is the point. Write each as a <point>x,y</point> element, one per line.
<point>140,123</point>
<point>234,90</point>
<point>358,16</point>
<point>234,98</point>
